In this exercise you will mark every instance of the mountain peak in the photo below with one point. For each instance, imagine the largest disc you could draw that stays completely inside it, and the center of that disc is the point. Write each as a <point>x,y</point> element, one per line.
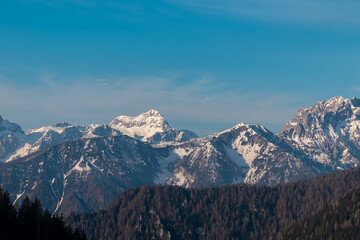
<point>247,126</point>
<point>336,98</point>
<point>62,124</point>
<point>330,105</point>
<point>142,126</point>
<point>152,113</point>
<point>327,131</point>
<point>5,125</point>
<point>150,127</point>
<point>149,113</point>
<point>334,108</point>
<point>152,118</point>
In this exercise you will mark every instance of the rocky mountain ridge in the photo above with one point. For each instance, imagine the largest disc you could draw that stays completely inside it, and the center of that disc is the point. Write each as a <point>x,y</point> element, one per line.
<point>329,132</point>
<point>11,138</point>
<point>81,168</point>
<point>148,127</point>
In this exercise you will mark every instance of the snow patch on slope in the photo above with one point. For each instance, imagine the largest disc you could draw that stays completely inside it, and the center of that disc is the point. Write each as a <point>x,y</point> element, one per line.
<point>165,172</point>
<point>236,157</point>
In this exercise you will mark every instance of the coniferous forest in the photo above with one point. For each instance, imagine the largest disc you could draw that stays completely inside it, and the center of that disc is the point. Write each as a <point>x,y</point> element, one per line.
<point>340,220</point>
<point>324,207</point>
<point>231,212</point>
<point>31,222</point>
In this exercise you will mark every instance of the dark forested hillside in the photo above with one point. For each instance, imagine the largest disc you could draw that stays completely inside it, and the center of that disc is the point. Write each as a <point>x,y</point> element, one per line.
<point>336,221</point>
<point>229,212</point>
<point>31,222</point>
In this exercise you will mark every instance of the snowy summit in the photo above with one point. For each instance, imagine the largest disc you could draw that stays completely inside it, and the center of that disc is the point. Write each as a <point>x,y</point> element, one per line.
<point>141,127</point>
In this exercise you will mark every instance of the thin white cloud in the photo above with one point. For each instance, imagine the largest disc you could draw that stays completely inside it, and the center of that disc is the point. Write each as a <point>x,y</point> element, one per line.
<point>99,100</point>
<point>83,3</point>
<point>304,11</point>
<point>300,11</point>
<point>356,89</point>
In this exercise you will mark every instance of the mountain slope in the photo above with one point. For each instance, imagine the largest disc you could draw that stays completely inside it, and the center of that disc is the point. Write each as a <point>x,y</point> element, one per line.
<point>11,138</point>
<point>48,136</point>
<point>81,175</point>
<point>244,153</point>
<point>328,132</point>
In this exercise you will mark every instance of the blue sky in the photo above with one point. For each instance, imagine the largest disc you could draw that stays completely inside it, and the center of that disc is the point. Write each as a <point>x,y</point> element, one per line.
<point>205,65</point>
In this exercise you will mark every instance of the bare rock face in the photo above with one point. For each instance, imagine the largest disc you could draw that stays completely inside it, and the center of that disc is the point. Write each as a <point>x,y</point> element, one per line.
<point>244,153</point>
<point>328,132</point>
<point>11,138</point>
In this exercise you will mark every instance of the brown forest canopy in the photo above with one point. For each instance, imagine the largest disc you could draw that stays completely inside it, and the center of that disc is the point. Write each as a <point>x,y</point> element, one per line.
<point>230,212</point>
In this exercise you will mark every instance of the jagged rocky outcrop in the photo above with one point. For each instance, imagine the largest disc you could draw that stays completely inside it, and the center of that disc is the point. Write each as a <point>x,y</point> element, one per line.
<point>11,138</point>
<point>48,136</point>
<point>244,153</point>
<point>150,127</point>
<point>328,132</point>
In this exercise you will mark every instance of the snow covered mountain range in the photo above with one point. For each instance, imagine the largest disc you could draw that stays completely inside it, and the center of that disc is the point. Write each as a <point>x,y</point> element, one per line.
<point>82,168</point>
<point>148,127</point>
